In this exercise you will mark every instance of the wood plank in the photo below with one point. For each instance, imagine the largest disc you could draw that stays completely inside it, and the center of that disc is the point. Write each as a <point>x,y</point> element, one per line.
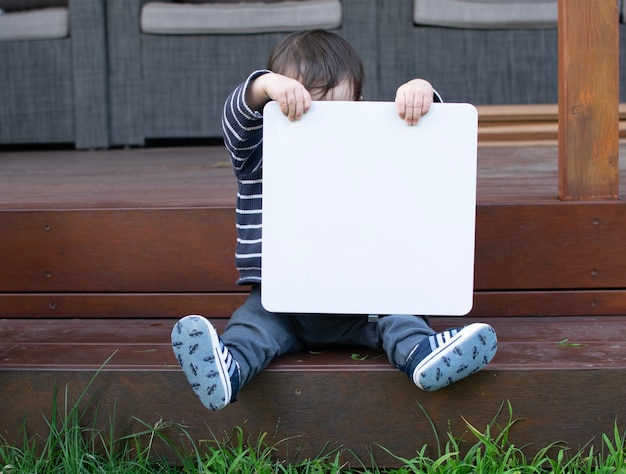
<point>290,405</point>
<point>526,113</point>
<point>588,40</point>
<point>145,343</point>
<point>40,307</point>
<point>532,131</point>
<point>544,303</point>
<point>172,250</point>
<point>518,246</point>
<point>517,113</point>
<point>119,305</point>
<point>525,133</point>
<point>550,246</point>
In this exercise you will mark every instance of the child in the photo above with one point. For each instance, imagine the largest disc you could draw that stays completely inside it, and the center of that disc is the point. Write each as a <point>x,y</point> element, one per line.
<point>306,66</point>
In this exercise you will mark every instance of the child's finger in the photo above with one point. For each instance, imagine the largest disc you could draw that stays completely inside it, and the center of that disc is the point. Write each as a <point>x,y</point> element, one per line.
<point>401,106</point>
<point>412,109</point>
<point>417,110</point>
<point>288,105</point>
<point>299,107</point>
<point>293,106</point>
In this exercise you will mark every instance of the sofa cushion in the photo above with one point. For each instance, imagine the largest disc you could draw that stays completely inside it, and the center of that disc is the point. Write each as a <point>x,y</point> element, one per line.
<point>46,23</point>
<point>486,13</point>
<point>233,1</point>
<point>17,5</point>
<point>235,18</point>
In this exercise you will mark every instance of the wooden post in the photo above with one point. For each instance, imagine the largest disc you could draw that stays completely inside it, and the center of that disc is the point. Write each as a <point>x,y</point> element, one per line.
<point>588,99</point>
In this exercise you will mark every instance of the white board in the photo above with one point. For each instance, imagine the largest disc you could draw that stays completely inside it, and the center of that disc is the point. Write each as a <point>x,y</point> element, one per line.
<point>363,214</point>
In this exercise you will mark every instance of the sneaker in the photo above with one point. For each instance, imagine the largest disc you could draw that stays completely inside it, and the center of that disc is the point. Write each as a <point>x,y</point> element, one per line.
<point>449,356</point>
<point>207,363</point>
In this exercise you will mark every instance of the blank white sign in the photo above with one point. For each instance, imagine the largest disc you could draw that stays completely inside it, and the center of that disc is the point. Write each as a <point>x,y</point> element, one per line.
<point>363,214</point>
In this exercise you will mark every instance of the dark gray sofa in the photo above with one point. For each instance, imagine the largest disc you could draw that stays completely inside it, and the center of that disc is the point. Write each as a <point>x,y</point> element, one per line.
<point>165,85</point>
<point>174,85</point>
<point>55,90</point>
<point>468,60</point>
<point>117,82</point>
<point>501,52</point>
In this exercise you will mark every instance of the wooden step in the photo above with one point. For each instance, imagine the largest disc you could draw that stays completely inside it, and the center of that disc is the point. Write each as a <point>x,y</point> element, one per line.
<point>561,374</point>
<point>550,258</point>
<point>102,251</point>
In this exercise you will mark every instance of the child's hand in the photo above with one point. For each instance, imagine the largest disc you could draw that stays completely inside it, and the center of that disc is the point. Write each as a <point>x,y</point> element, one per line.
<point>413,100</point>
<point>292,97</point>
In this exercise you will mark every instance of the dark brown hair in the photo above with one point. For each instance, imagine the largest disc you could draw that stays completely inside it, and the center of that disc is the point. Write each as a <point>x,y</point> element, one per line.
<point>320,60</point>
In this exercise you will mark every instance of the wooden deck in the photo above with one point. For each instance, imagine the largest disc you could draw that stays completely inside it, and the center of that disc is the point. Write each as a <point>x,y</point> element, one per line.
<point>107,266</point>
<point>201,177</point>
<point>102,250</point>
<point>535,255</point>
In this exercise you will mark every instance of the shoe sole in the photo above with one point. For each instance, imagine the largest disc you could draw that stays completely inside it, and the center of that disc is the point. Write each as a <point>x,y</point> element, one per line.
<point>471,349</point>
<point>197,348</point>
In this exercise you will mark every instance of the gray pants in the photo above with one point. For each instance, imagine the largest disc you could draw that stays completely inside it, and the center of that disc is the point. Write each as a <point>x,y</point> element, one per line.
<point>255,336</point>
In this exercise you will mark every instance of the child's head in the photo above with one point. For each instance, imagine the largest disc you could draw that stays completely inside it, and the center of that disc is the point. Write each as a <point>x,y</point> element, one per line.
<point>322,61</point>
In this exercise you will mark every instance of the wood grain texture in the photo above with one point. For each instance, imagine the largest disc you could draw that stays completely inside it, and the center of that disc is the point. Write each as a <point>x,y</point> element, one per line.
<point>168,262</point>
<point>127,250</point>
<point>588,40</point>
<point>309,398</point>
<point>166,247</point>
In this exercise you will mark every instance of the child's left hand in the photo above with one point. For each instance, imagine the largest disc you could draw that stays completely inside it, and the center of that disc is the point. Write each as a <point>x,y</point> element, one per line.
<point>413,100</point>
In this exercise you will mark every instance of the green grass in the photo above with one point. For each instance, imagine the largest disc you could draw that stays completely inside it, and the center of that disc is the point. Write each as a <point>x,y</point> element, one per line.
<point>71,447</point>
<point>75,445</point>
<point>492,452</point>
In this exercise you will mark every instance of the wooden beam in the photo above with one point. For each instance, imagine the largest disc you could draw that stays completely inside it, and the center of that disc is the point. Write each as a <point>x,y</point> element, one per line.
<point>588,99</point>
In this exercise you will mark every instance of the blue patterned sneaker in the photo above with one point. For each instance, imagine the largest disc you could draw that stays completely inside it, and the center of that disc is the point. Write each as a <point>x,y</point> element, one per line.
<point>207,363</point>
<point>449,356</point>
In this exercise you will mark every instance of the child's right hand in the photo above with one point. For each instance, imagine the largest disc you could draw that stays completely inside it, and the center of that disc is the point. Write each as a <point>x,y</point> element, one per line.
<point>292,97</point>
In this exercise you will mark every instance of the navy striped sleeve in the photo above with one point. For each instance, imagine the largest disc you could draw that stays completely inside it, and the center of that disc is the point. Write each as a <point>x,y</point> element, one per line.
<point>243,137</point>
<point>243,129</point>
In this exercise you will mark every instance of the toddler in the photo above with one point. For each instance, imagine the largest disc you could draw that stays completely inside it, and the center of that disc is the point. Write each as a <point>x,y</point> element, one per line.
<point>307,66</point>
